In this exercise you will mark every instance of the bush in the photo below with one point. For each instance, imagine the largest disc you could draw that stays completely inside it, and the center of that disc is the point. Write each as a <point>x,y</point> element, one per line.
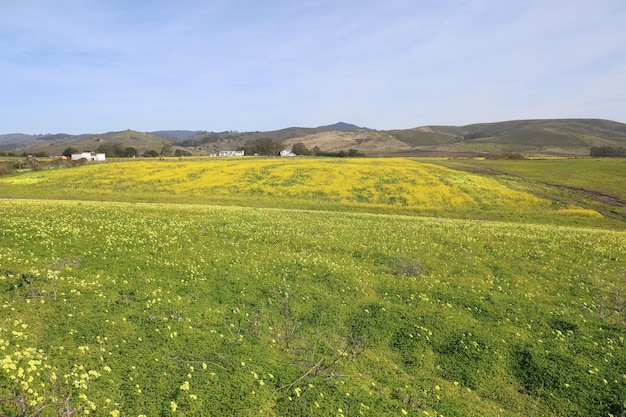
<point>407,266</point>
<point>7,168</point>
<point>151,154</point>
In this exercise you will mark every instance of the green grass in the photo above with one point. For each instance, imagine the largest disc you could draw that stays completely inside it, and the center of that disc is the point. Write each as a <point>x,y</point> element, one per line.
<point>598,183</point>
<point>302,313</point>
<point>606,175</point>
<point>130,308</point>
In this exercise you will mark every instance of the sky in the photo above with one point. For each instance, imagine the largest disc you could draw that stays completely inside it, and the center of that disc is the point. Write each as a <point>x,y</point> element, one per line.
<point>94,66</point>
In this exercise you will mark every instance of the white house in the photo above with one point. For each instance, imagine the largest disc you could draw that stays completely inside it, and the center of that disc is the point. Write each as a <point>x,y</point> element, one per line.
<point>285,152</point>
<point>90,156</point>
<point>231,153</point>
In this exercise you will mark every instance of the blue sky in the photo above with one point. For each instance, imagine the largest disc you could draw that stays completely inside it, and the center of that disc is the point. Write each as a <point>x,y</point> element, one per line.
<point>79,66</point>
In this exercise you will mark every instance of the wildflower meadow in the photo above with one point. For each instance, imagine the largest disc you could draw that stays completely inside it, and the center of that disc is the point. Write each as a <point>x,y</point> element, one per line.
<point>187,308</point>
<point>374,185</point>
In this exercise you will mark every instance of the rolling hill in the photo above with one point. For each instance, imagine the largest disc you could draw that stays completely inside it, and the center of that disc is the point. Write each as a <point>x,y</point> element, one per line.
<point>56,144</point>
<point>564,137</point>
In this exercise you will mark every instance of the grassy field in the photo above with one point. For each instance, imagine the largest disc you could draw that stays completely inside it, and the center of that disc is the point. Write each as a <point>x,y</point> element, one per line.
<point>384,185</point>
<point>596,184</point>
<point>125,308</point>
<point>606,175</point>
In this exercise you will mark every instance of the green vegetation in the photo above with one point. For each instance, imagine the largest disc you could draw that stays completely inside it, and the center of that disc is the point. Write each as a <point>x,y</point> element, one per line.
<point>608,151</point>
<point>592,183</point>
<point>130,309</point>
<point>117,150</point>
<point>381,185</point>
<point>602,175</point>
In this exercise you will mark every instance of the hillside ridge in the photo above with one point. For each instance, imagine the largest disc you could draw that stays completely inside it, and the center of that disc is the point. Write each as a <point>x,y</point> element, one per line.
<point>563,137</point>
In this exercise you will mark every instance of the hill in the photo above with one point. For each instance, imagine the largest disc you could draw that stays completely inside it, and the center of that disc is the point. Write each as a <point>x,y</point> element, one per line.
<point>56,144</point>
<point>11,141</point>
<point>342,126</point>
<point>567,137</point>
<point>15,137</point>
<point>556,136</point>
<point>564,137</point>
<point>177,134</point>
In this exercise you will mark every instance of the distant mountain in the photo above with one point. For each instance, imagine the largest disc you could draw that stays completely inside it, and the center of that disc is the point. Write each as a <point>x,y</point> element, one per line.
<point>342,126</point>
<point>564,137</point>
<point>12,141</point>
<point>177,134</point>
<point>56,144</point>
<point>15,137</point>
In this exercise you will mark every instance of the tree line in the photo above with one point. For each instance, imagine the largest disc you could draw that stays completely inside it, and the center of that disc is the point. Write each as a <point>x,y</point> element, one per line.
<point>262,146</point>
<point>117,150</point>
<point>608,151</point>
<point>272,147</point>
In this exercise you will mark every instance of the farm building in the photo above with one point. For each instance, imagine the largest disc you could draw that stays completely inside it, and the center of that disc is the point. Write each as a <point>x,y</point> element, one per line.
<point>285,152</point>
<point>90,156</point>
<point>231,153</point>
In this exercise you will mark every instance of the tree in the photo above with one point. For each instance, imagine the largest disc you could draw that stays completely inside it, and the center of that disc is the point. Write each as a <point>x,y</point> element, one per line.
<point>151,153</point>
<point>69,151</point>
<point>300,149</point>
<point>262,146</point>
<point>112,149</point>
<point>131,152</point>
<point>249,148</point>
<point>608,151</point>
<point>181,152</point>
<point>166,150</point>
<point>269,147</point>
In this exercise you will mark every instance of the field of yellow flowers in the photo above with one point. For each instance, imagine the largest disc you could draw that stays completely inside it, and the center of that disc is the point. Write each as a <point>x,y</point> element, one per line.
<point>375,185</point>
<point>131,309</point>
